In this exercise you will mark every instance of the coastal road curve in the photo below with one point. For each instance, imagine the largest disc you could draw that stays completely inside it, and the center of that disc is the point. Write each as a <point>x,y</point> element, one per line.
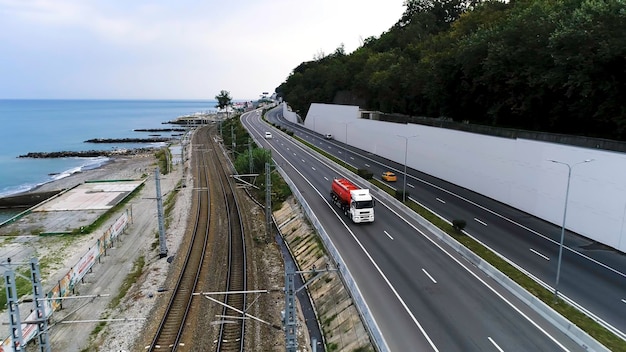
<point>422,295</point>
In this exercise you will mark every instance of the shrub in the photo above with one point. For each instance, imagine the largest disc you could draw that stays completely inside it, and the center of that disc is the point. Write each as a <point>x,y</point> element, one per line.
<point>458,224</point>
<point>399,194</point>
<point>366,174</point>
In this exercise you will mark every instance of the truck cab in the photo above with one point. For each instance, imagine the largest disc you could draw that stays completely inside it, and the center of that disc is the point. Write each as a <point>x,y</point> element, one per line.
<point>361,206</point>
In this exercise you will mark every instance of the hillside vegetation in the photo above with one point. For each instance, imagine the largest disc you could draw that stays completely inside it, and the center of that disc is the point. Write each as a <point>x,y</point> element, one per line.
<point>545,65</point>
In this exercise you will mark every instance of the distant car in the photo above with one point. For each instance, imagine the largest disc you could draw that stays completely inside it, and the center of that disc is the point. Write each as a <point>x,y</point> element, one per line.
<point>389,176</point>
<point>328,136</point>
<point>268,135</point>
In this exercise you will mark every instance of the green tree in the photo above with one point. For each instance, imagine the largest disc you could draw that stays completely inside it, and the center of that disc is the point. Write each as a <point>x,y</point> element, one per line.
<point>260,156</point>
<point>589,52</point>
<point>555,66</point>
<point>223,100</point>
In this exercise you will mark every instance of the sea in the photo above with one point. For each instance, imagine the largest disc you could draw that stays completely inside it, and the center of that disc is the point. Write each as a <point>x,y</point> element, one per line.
<point>64,125</point>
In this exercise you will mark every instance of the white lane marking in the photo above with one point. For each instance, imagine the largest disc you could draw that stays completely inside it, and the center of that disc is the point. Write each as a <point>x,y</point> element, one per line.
<point>521,226</point>
<point>441,200</point>
<point>369,257</point>
<point>410,185</point>
<point>480,222</point>
<point>388,235</point>
<point>326,178</point>
<point>436,244</point>
<point>539,254</point>
<point>624,301</point>
<point>469,271</point>
<point>494,343</point>
<point>313,168</point>
<point>548,287</point>
<point>368,165</point>
<point>304,161</point>
<point>430,277</point>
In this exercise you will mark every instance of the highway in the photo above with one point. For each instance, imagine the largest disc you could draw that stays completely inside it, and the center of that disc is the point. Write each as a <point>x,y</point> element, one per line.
<point>422,295</point>
<point>593,276</point>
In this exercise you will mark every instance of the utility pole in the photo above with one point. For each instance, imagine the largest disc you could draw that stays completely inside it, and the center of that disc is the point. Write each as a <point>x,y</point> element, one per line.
<point>232,137</point>
<point>250,161</point>
<point>167,159</point>
<point>40,303</point>
<point>13,307</point>
<point>162,242</point>
<point>290,320</point>
<point>268,199</point>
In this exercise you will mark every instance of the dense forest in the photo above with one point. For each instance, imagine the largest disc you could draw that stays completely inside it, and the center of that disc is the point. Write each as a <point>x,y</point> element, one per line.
<point>546,65</point>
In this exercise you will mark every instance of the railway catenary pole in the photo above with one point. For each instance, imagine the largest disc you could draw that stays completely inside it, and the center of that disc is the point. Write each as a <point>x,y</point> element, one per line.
<point>162,242</point>
<point>232,137</point>
<point>250,161</point>
<point>39,306</point>
<point>268,199</point>
<point>290,318</point>
<point>15,323</point>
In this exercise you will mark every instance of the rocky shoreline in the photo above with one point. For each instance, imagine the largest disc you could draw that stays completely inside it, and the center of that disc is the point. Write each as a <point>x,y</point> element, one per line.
<point>129,140</point>
<point>160,130</point>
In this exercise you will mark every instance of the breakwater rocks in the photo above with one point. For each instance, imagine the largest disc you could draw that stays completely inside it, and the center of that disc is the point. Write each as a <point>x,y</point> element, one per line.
<point>85,153</point>
<point>160,130</point>
<point>129,140</point>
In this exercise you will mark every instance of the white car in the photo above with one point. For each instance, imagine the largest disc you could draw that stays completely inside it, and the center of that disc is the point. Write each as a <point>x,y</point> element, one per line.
<point>328,136</point>
<point>268,135</point>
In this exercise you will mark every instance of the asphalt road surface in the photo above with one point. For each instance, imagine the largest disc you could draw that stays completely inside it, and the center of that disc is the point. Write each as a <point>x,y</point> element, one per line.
<point>422,295</point>
<point>593,276</point>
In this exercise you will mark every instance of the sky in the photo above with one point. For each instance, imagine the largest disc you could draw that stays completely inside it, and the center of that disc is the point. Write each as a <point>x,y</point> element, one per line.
<point>173,49</point>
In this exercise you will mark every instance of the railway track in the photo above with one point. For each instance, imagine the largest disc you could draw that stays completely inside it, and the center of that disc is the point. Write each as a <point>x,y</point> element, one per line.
<point>232,329</point>
<point>171,327</point>
<point>207,165</point>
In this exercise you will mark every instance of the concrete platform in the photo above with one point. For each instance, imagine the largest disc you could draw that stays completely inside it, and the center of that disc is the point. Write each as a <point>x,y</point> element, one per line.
<point>75,208</point>
<point>91,196</point>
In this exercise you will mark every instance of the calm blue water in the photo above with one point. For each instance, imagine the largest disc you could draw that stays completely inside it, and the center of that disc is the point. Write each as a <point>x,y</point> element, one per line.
<point>60,125</point>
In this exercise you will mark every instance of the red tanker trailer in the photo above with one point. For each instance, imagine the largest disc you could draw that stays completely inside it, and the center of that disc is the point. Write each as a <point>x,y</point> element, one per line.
<point>356,203</point>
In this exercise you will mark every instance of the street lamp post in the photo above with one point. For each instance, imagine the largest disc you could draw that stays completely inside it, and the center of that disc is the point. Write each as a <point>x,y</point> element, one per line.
<point>406,149</point>
<point>345,155</point>
<point>558,265</point>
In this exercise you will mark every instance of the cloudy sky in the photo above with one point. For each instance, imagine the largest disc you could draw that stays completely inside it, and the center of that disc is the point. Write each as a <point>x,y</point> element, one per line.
<point>173,49</point>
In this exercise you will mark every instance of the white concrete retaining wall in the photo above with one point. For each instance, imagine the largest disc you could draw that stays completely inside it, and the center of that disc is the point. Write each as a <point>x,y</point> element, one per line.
<point>288,114</point>
<point>512,171</point>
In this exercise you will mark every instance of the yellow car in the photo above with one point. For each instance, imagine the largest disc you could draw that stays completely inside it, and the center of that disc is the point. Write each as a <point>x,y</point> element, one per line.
<point>389,176</point>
